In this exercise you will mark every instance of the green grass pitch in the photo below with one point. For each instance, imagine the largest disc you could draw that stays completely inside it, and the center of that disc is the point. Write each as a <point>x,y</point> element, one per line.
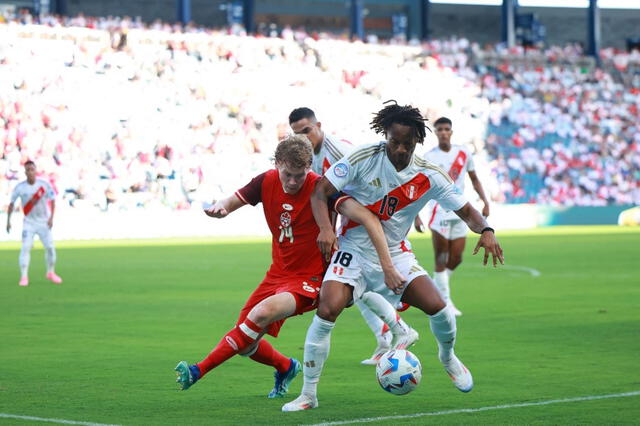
<point>102,346</point>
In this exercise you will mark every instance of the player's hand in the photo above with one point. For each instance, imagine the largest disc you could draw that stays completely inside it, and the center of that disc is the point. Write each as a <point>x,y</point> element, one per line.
<point>394,280</point>
<point>327,242</point>
<point>50,223</point>
<point>419,225</point>
<point>8,227</point>
<point>491,246</point>
<point>217,210</point>
<point>485,210</point>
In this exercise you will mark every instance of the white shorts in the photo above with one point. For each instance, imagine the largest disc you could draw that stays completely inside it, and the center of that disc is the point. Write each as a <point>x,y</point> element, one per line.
<point>348,266</point>
<point>447,224</point>
<point>30,229</point>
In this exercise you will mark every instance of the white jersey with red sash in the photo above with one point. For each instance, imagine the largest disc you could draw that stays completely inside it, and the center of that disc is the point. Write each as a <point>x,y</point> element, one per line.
<point>395,197</point>
<point>34,199</point>
<point>331,150</point>
<point>457,162</point>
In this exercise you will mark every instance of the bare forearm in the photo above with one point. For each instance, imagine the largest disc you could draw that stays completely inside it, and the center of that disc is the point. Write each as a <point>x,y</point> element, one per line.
<point>53,209</point>
<point>356,212</point>
<point>472,217</point>
<point>477,185</point>
<point>320,209</point>
<point>9,212</point>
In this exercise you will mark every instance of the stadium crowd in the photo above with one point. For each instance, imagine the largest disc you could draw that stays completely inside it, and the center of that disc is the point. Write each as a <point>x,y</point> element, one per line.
<point>118,113</point>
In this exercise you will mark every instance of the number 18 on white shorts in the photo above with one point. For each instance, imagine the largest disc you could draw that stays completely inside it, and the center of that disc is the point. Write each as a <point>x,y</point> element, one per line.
<point>348,266</point>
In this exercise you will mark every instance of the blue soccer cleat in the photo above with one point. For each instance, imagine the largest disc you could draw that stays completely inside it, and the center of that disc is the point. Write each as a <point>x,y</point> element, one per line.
<point>283,380</point>
<point>187,375</point>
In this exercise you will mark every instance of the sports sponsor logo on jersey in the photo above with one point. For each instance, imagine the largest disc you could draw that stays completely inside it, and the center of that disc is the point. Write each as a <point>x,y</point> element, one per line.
<point>341,170</point>
<point>287,207</point>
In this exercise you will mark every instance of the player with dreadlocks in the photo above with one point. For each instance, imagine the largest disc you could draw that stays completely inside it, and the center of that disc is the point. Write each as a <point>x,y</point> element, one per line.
<point>394,184</point>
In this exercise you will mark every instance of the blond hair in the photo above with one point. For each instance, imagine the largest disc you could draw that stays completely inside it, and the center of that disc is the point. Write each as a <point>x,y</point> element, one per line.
<point>294,151</point>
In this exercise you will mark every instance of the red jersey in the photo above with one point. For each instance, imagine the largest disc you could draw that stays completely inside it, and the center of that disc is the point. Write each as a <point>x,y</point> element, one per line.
<point>294,231</point>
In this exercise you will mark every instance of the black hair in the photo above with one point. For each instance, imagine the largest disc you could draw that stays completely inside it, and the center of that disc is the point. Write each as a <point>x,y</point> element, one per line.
<point>300,113</point>
<point>29,163</point>
<point>400,114</point>
<point>443,120</point>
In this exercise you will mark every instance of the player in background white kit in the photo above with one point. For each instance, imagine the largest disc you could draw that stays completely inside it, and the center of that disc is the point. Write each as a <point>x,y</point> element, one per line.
<point>448,231</point>
<point>383,320</point>
<point>394,184</point>
<point>35,194</point>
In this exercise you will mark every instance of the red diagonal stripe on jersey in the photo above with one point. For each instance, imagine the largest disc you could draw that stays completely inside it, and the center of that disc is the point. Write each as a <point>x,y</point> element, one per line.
<point>405,194</point>
<point>32,202</point>
<point>457,165</point>
<point>325,165</point>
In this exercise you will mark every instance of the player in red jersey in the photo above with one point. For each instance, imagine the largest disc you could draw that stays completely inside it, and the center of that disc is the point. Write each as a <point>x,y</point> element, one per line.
<point>293,281</point>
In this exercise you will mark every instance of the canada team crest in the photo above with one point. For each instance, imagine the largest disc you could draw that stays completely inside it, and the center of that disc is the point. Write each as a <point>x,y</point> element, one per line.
<point>285,220</point>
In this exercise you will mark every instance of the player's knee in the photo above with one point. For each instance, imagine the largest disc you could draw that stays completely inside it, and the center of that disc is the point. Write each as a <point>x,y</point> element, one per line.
<point>441,259</point>
<point>328,312</point>
<point>454,261</point>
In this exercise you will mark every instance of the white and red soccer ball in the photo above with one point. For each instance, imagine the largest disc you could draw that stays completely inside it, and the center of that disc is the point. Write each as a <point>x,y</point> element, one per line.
<point>399,371</point>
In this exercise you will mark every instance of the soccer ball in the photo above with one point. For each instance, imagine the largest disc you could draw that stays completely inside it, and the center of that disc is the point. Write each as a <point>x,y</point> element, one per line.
<point>399,371</point>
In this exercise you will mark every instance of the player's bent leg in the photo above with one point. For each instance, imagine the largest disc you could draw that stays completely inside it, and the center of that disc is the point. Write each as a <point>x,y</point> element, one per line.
<point>403,335</point>
<point>422,294</point>
<point>441,252</point>
<point>380,330</point>
<point>334,297</point>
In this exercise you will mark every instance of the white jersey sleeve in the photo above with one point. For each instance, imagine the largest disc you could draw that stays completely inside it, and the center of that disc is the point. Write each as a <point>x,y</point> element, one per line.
<point>471,167</point>
<point>446,193</point>
<point>341,173</point>
<point>49,194</point>
<point>16,193</point>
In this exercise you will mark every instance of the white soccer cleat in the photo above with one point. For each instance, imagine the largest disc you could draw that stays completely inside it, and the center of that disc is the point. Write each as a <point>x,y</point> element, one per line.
<point>459,374</point>
<point>303,402</point>
<point>403,341</point>
<point>377,354</point>
<point>457,312</point>
<point>384,345</point>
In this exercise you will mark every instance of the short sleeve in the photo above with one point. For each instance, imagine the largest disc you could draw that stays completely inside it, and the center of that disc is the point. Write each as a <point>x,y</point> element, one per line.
<point>251,193</point>
<point>15,194</point>
<point>471,167</point>
<point>50,194</point>
<point>446,193</point>
<point>341,173</point>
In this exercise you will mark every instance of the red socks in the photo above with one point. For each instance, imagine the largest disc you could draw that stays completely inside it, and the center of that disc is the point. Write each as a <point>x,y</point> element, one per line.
<point>267,354</point>
<point>239,338</point>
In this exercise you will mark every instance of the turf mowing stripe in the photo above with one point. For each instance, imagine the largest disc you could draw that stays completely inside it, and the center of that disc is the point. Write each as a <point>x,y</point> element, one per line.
<point>475,410</point>
<point>40,419</point>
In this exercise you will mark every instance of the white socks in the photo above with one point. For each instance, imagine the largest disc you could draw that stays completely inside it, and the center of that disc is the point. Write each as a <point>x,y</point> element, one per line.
<point>381,307</point>
<point>443,326</point>
<point>50,258</point>
<point>316,351</point>
<point>373,321</point>
<point>441,280</point>
<point>25,258</point>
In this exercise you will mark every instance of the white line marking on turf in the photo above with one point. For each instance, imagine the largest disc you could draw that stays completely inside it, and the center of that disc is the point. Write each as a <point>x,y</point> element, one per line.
<point>532,271</point>
<point>41,419</point>
<point>475,410</point>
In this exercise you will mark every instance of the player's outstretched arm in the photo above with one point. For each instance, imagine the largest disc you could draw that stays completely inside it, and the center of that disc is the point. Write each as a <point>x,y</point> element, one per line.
<point>477,185</point>
<point>327,241</point>
<point>358,213</point>
<point>478,224</point>
<point>222,208</point>
<point>9,211</point>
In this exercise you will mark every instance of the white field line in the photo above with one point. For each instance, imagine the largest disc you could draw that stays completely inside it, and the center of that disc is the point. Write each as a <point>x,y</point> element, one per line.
<point>532,271</point>
<point>41,419</point>
<point>476,410</point>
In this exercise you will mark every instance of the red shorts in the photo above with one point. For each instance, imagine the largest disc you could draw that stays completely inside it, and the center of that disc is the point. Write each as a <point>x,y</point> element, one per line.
<point>305,289</point>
